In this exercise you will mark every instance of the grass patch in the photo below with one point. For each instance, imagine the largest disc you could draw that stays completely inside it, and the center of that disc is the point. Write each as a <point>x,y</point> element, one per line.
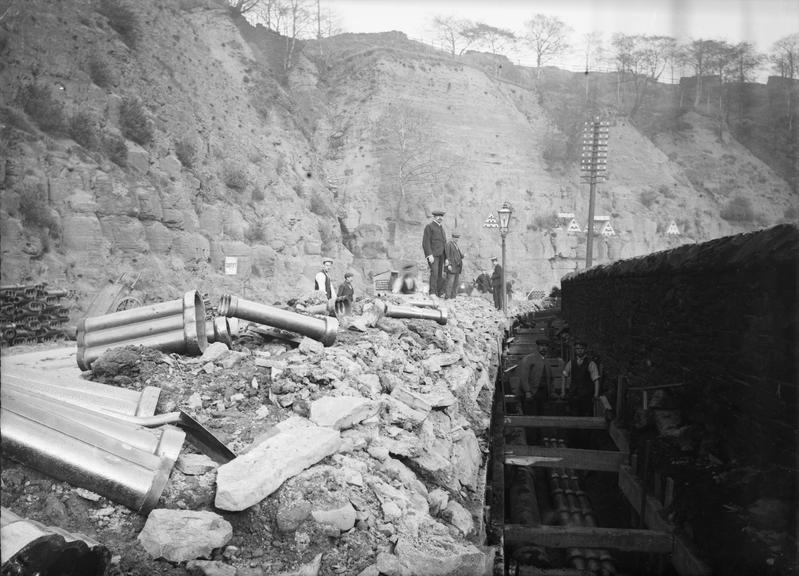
<point>38,103</point>
<point>122,19</point>
<point>134,123</point>
<point>739,209</point>
<point>116,149</point>
<point>186,152</point>
<point>82,128</point>
<point>234,176</point>
<point>100,72</point>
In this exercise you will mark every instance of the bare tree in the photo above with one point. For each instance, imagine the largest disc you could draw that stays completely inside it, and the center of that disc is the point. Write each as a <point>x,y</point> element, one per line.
<point>547,36</point>
<point>697,55</point>
<point>491,37</point>
<point>784,56</point>
<point>410,154</point>
<point>243,6</point>
<point>451,33</point>
<point>642,59</point>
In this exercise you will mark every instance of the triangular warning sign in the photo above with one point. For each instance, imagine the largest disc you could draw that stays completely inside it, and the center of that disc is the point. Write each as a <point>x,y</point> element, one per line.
<point>607,229</point>
<point>673,230</point>
<point>573,226</point>
<point>490,222</point>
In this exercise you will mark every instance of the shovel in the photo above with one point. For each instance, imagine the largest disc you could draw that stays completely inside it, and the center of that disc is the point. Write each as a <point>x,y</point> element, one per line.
<point>196,433</point>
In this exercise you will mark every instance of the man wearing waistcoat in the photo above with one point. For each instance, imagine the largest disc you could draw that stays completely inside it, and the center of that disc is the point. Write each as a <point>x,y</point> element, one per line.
<point>434,240</point>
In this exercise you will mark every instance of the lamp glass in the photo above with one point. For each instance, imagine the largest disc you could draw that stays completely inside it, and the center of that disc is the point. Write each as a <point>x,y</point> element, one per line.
<point>504,216</point>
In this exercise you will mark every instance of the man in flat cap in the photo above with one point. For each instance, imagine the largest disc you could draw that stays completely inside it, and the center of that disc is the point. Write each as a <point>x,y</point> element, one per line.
<point>322,281</point>
<point>534,378</point>
<point>454,265</point>
<point>434,241</point>
<point>496,283</point>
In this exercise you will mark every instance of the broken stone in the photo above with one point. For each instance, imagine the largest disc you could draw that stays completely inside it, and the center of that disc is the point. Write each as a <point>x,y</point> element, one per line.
<point>343,518</point>
<point>251,477</point>
<point>438,500</point>
<point>214,352</point>
<point>194,464</point>
<point>459,517</point>
<point>342,412</point>
<point>435,553</point>
<point>181,535</point>
<point>292,514</point>
<point>310,346</point>
<point>210,568</point>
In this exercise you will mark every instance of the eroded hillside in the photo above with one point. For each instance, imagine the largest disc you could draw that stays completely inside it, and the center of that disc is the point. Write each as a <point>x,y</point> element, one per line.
<point>165,147</point>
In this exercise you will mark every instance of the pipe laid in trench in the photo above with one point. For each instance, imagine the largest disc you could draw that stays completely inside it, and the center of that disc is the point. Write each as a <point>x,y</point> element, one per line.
<point>437,314</point>
<point>322,329</point>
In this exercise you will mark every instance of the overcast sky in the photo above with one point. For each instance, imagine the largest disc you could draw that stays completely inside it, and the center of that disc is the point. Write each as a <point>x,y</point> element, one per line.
<point>760,22</point>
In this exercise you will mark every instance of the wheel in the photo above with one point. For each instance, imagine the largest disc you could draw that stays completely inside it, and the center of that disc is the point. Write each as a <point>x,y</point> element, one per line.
<point>129,302</point>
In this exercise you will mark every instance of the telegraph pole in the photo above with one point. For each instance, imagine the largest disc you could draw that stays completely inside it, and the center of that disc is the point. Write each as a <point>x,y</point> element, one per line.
<point>594,165</point>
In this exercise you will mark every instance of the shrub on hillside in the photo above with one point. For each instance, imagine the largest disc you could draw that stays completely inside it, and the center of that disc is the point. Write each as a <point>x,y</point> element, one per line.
<point>16,119</point>
<point>739,209</point>
<point>100,72</point>
<point>123,19</point>
<point>648,197</point>
<point>39,104</point>
<point>258,194</point>
<point>186,152</point>
<point>116,149</point>
<point>82,128</point>
<point>133,122</point>
<point>234,176</point>
<point>33,209</point>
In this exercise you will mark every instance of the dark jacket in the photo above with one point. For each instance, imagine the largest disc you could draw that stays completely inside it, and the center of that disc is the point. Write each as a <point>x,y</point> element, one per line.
<point>455,257</point>
<point>496,277</point>
<point>346,292</point>
<point>434,239</point>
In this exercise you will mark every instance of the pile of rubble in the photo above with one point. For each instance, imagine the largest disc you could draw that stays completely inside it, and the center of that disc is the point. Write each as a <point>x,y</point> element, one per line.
<point>362,457</point>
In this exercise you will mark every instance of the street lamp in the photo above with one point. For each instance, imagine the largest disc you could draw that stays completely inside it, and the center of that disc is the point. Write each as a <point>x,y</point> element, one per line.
<point>504,222</point>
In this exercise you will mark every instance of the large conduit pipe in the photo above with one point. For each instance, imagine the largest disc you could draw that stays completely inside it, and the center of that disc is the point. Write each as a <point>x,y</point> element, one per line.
<point>175,326</point>
<point>322,329</point>
<point>91,395</point>
<point>29,547</point>
<point>437,314</point>
<point>218,330</point>
<point>90,457</point>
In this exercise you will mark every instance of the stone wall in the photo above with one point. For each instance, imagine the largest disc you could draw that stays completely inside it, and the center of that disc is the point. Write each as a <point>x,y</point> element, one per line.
<point>719,316</point>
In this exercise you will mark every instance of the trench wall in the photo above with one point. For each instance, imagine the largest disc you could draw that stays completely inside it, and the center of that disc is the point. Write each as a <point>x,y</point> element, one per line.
<point>720,316</point>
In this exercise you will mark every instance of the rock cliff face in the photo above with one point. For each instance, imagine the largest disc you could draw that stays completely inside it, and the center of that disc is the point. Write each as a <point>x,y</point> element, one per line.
<point>345,155</point>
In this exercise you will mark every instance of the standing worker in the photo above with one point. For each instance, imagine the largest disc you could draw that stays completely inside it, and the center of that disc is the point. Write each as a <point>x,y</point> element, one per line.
<point>434,240</point>
<point>346,291</point>
<point>454,257</point>
<point>322,280</point>
<point>496,283</point>
<point>584,384</point>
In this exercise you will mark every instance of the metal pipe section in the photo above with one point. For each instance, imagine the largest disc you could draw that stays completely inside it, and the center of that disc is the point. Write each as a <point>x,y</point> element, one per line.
<point>30,547</point>
<point>91,395</point>
<point>437,314</point>
<point>74,452</point>
<point>321,329</point>
<point>218,330</point>
<point>175,326</point>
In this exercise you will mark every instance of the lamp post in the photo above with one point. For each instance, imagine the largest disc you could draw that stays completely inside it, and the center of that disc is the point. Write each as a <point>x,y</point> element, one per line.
<point>504,214</point>
<point>504,222</point>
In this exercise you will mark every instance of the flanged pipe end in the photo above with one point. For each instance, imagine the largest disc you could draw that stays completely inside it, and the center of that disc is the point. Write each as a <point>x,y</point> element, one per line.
<point>80,357</point>
<point>194,323</point>
<point>442,319</point>
<point>331,330</point>
<point>227,305</point>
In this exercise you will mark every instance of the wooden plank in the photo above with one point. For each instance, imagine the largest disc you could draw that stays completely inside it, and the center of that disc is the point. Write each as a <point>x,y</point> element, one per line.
<point>684,560</point>
<point>579,459</point>
<point>620,437</point>
<point>620,397</point>
<point>590,537</point>
<point>668,497</point>
<point>655,387</point>
<point>574,422</point>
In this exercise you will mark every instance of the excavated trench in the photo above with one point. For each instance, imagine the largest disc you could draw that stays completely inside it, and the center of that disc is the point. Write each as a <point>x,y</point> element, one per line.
<point>561,488</point>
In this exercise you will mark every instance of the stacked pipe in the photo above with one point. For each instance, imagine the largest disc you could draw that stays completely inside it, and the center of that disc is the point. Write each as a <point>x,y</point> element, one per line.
<point>574,509</point>
<point>174,326</point>
<point>31,313</point>
<point>82,437</point>
<point>321,329</point>
<point>30,547</point>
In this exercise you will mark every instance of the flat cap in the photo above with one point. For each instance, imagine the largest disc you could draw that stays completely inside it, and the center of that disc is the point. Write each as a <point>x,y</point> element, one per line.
<point>326,260</point>
<point>438,212</point>
<point>456,235</point>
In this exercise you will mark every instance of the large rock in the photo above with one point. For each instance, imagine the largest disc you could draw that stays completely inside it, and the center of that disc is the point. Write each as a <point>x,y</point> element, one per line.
<point>251,477</point>
<point>433,552</point>
<point>341,412</point>
<point>180,535</point>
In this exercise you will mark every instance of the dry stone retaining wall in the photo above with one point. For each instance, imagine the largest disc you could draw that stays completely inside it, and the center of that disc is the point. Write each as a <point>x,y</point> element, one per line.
<point>720,316</point>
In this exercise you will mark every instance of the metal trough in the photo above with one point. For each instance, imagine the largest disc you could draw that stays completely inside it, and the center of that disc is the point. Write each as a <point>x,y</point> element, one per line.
<point>321,329</point>
<point>175,326</point>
